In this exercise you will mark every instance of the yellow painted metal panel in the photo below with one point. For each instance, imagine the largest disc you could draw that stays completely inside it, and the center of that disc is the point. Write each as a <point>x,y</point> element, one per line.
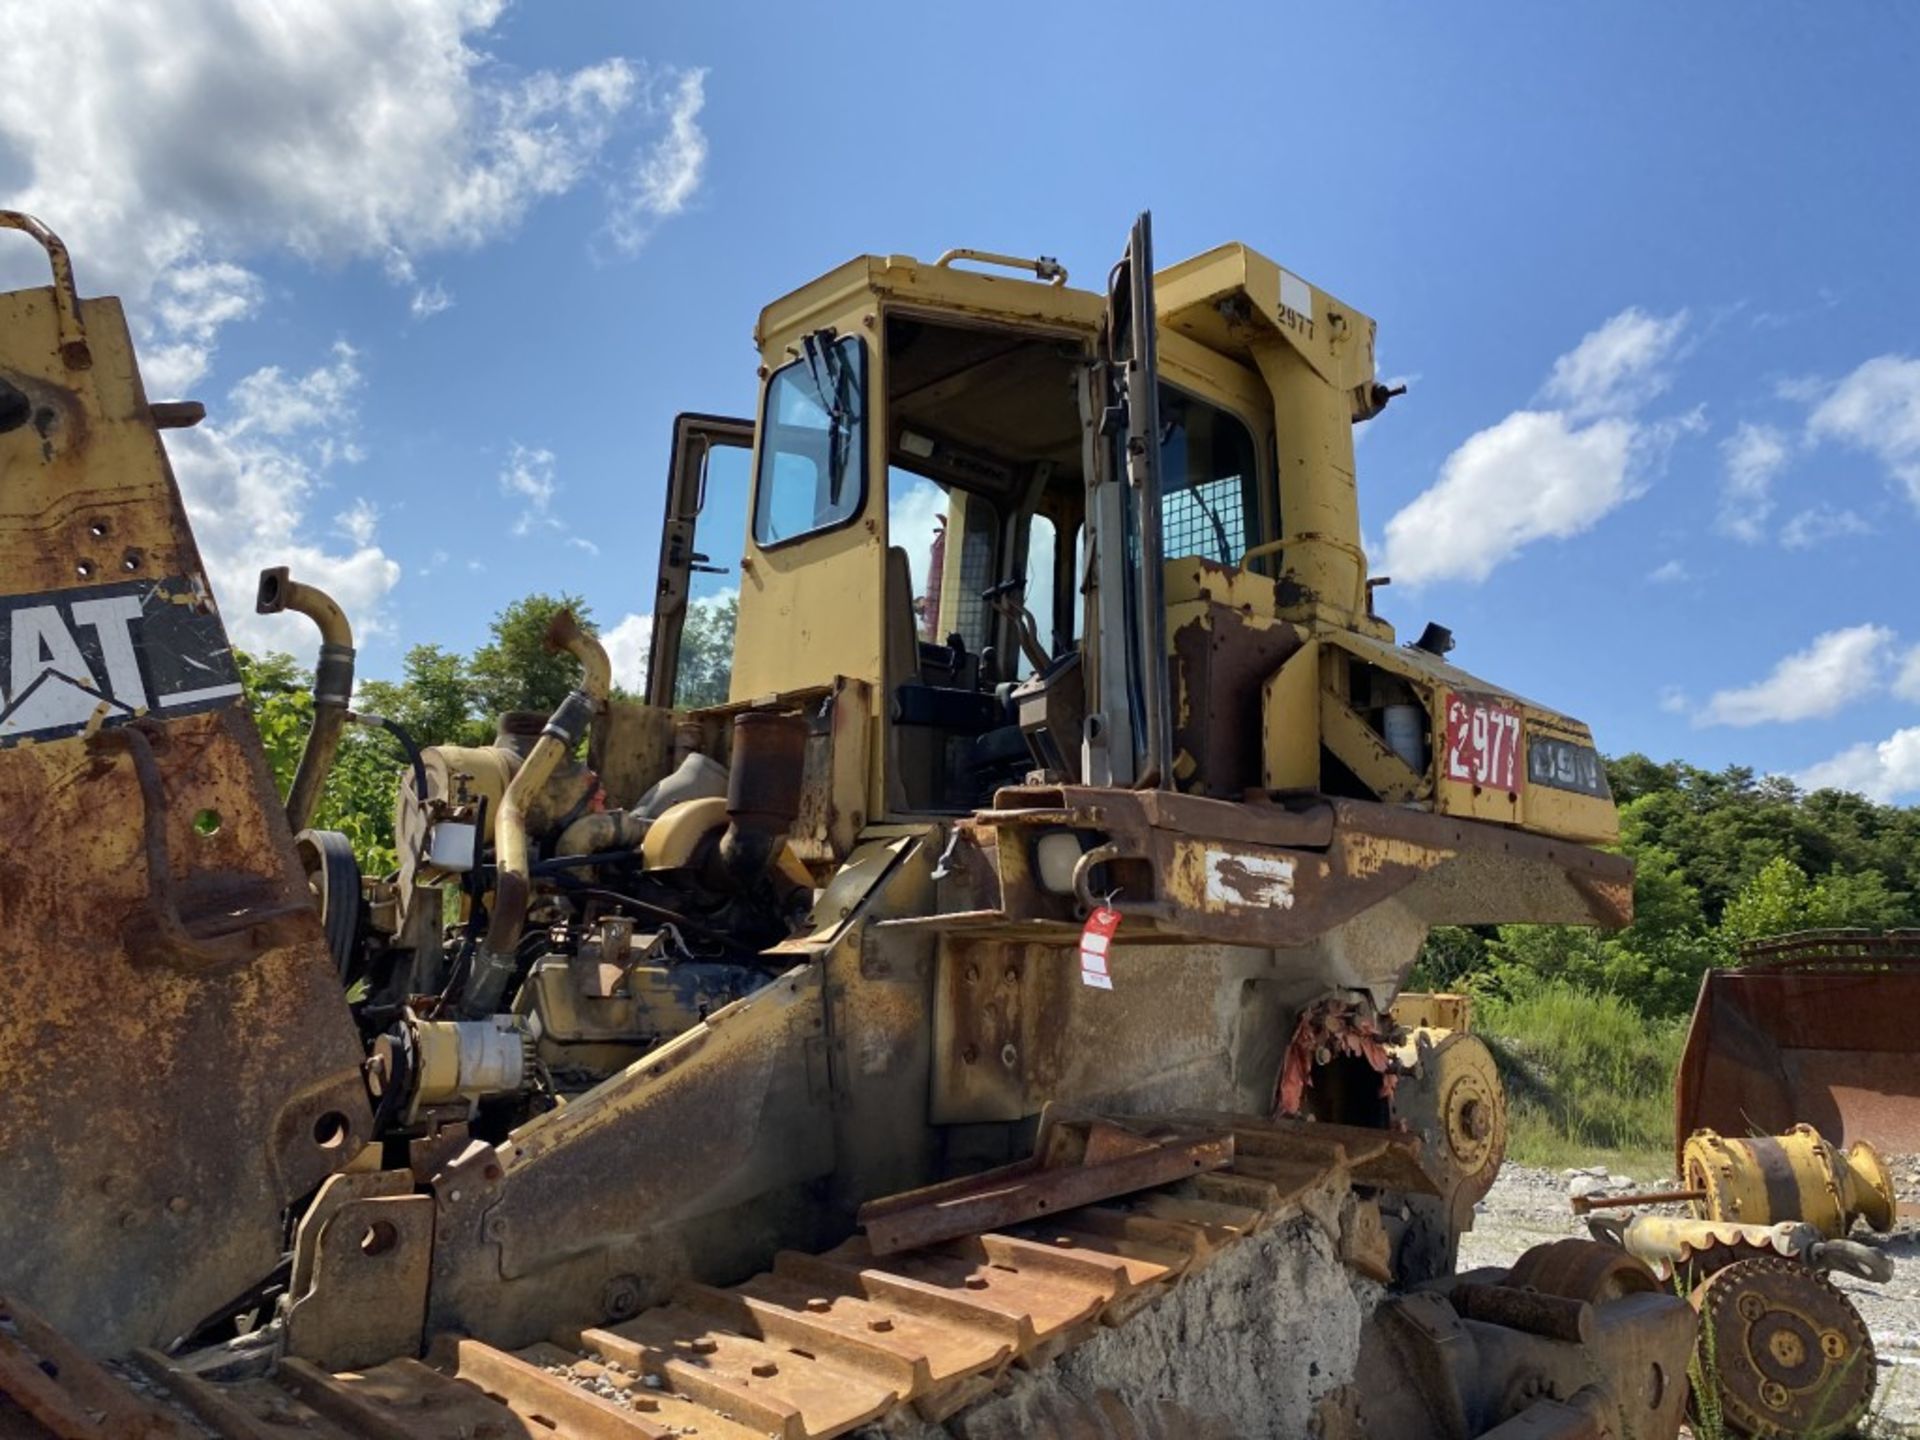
<point>1290,716</point>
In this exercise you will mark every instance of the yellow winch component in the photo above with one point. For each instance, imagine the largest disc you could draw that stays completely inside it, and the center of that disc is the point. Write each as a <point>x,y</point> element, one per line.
<point>1796,1176</point>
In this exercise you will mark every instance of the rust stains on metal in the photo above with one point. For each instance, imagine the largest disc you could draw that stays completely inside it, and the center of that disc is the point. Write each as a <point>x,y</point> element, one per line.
<point>1220,658</point>
<point>1112,1159</point>
<point>1814,1028</point>
<point>1328,1030</point>
<point>179,1062</point>
<point>1788,1353</point>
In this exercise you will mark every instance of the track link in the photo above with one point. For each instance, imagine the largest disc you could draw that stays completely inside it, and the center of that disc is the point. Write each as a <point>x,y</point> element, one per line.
<point>819,1345</point>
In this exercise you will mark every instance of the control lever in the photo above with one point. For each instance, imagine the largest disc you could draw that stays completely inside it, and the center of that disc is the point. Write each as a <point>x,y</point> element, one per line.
<point>1009,598</point>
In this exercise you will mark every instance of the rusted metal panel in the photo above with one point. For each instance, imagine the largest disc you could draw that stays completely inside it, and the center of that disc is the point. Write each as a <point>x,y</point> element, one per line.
<point>366,1264</point>
<point>1815,1029</point>
<point>1269,874</point>
<point>1036,1187</point>
<point>1220,659</point>
<point>606,1204</point>
<point>833,798</point>
<point>178,1060</point>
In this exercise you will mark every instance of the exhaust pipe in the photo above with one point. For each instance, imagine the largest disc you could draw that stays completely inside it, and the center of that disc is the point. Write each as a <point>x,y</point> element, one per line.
<point>332,685</point>
<point>763,794</point>
<point>497,959</point>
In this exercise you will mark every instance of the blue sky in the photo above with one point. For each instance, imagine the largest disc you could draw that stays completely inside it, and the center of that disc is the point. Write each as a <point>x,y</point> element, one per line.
<point>444,272</point>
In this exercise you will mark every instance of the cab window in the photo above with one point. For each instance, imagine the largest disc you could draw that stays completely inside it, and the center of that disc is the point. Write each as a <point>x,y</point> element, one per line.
<point>813,462</point>
<point>1209,483</point>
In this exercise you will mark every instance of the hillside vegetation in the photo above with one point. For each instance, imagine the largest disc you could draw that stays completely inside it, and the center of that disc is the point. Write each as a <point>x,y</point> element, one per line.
<point>1587,1026</point>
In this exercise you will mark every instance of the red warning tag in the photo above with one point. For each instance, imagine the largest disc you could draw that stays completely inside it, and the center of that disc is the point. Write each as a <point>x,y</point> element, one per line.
<point>1095,941</point>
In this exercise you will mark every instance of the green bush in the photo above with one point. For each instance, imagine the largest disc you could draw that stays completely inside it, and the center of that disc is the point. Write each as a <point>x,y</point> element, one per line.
<point>1589,1079</point>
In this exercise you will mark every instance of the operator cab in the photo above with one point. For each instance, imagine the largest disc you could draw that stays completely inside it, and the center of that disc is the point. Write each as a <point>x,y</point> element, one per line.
<point>986,503</point>
<point>936,445</point>
<point>928,443</point>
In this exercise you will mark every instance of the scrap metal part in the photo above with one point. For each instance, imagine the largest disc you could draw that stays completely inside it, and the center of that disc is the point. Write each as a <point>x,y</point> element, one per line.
<point>1765,1179</point>
<point>1814,1028</point>
<point>1700,1247</point>
<point>1786,1353</point>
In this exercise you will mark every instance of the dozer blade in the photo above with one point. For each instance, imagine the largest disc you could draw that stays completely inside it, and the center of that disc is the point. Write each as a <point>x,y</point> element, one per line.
<point>177,1059</point>
<point>1821,1029</point>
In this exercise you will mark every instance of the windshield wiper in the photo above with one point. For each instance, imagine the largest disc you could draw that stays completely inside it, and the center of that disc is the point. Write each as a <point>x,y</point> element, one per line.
<point>823,353</point>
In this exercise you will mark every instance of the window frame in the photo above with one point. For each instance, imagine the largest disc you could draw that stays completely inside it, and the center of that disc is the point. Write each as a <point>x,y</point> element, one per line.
<point>765,450</point>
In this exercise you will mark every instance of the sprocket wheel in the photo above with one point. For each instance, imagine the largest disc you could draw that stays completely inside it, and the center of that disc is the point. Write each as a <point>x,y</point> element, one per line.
<point>1786,1352</point>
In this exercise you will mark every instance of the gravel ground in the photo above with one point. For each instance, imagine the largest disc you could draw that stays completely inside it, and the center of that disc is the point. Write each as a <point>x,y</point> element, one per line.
<point>1527,1206</point>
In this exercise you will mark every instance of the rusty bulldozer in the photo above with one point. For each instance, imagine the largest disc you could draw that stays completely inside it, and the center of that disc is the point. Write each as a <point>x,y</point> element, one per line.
<point>980,1022</point>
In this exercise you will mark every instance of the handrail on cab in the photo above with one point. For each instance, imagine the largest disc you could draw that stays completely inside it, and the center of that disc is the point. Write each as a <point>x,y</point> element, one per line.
<point>1044,267</point>
<point>74,350</point>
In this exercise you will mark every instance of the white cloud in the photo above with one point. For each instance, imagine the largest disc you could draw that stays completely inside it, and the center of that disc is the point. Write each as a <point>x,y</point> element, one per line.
<point>1877,409</point>
<point>1754,455</point>
<point>1546,474</point>
<point>1670,573</point>
<point>169,143</point>
<point>429,298</point>
<point>1673,700</point>
<point>1838,668</point>
<point>359,522</point>
<point>1819,525</point>
<point>249,483</point>
<point>1618,367</point>
<point>429,301</point>
<point>1531,477</point>
<point>1882,770</point>
<point>529,476</point>
<point>1906,683</point>
<point>153,132</point>
<point>628,645</point>
<point>668,175</point>
<point>269,402</point>
<point>195,300</point>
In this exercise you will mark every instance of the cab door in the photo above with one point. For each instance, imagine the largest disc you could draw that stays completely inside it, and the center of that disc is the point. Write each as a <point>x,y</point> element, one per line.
<point>1128,722</point>
<point>690,660</point>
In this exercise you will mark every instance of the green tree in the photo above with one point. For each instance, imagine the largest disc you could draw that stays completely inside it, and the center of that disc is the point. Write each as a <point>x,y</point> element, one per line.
<point>1783,898</point>
<point>358,797</point>
<point>706,653</point>
<point>513,670</point>
<point>280,695</point>
<point>435,700</point>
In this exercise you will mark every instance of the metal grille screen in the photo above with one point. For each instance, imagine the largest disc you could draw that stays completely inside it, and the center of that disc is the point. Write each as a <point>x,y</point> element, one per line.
<point>1197,519</point>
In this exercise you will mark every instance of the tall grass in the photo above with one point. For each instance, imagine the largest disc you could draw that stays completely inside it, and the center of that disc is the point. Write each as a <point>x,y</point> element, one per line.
<point>1589,1079</point>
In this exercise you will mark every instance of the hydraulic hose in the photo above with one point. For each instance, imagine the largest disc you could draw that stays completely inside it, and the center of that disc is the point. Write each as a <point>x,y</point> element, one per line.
<point>332,685</point>
<point>497,959</point>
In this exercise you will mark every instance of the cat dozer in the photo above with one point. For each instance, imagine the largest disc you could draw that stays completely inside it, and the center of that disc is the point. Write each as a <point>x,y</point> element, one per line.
<point>981,1021</point>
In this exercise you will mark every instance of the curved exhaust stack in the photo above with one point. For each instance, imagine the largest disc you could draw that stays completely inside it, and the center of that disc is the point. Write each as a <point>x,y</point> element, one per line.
<point>494,965</point>
<point>332,684</point>
<point>763,793</point>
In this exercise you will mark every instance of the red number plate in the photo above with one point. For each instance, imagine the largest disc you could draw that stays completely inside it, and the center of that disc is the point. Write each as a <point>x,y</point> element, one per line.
<point>1483,744</point>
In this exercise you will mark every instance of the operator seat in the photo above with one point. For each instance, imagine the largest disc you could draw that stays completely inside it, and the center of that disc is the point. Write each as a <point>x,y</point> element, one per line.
<point>903,626</point>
